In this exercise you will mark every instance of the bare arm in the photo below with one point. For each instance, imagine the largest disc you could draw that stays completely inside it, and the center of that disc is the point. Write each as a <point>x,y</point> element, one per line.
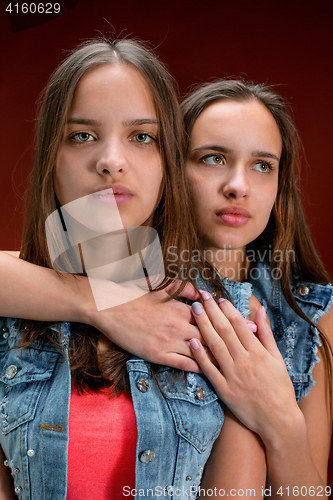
<point>254,383</point>
<point>300,460</point>
<point>162,330</point>
<point>237,464</point>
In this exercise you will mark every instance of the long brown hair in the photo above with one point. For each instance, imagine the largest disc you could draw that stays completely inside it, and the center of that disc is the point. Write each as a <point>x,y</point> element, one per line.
<point>287,229</point>
<point>171,218</point>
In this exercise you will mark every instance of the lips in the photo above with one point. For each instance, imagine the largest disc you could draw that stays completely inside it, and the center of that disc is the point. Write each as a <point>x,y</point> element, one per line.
<point>113,195</point>
<point>233,216</point>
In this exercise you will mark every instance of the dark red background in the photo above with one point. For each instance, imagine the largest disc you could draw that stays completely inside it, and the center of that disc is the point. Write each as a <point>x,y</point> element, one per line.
<point>283,42</point>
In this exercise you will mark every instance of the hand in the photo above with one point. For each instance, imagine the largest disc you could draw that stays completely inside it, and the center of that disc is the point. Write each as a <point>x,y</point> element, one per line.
<point>252,378</point>
<point>153,327</point>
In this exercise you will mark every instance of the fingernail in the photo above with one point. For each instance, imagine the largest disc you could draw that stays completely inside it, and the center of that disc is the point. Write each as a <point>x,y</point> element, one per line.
<point>263,312</point>
<point>194,344</point>
<point>221,300</point>
<point>197,308</point>
<point>205,295</point>
<point>253,327</point>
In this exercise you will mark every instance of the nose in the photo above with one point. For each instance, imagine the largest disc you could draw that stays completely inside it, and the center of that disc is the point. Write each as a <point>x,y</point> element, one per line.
<point>236,184</point>
<point>112,158</point>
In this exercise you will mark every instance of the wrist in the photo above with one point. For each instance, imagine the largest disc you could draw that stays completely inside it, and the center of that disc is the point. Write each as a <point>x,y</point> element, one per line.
<point>290,430</point>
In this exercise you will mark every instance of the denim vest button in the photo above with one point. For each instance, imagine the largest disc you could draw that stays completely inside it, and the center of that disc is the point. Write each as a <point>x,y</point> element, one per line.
<point>6,463</point>
<point>303,291</point>
<point>147,456</point>
<point>16,471</point>
<point>30,453</point>
<point>5,329</point>
<point>188,478</point>
<point>11,372</point>
<point>18,489</point>
<point>200,393</point>
<point>169,489</point>
<point>6,335</point>
<point>142,384</point>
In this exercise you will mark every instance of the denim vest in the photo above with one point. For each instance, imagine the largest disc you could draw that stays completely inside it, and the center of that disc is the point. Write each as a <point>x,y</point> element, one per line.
<point>296,339</point>
<point>176,426</point>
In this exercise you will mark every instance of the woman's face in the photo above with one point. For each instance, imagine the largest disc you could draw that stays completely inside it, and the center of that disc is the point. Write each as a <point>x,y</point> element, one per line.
<point>233,170</point>
<point>109,153</point>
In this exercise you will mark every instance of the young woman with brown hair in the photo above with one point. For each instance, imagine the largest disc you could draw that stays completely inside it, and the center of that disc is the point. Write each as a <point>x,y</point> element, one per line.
<point>241,155</point>
<point>254,188</point>
<point>109,126</point>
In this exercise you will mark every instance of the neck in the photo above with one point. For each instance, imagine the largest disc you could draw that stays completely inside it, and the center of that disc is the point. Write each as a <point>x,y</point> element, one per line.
<point>230,263</point>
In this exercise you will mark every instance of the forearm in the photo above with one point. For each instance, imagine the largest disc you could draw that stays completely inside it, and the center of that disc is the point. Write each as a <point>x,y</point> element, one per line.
<point>237,465</point>
<point>32,292</point>
<point>290,468</point>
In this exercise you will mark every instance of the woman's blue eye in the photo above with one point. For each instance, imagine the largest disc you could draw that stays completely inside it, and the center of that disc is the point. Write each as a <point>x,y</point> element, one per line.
<point>213,159</point>
<point>143,138</point>
<point>262,166</point>
<point>82,137</point>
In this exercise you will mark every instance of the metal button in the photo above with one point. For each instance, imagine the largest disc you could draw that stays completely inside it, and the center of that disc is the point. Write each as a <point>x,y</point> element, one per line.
<point>30,453</point>
<point>18,489</point>
<point>188,478</point>
<point>6,462</point>
<point>147,456</point>
<point>6,335</point>
<point>169,489</point>
<point>142,384</point>
<point>303,290</point>
<point>226,279</point>
<point>11,372</point>
<point>200,393</point>
<point>16,471</point>
<point>201,468</point>
<point>5,329</point>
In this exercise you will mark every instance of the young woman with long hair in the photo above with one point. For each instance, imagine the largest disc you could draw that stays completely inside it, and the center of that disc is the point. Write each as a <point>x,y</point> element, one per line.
<point>241,152</point>
<point>250,176</point>
<point>77,413</point>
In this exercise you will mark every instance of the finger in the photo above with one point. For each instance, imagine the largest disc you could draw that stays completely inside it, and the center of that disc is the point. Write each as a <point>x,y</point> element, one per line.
<point>223,326</point>
<point>214,341</point>
<point>189,292</point>
<point>209,369</point>
<point>184,363</point>
<point>239,325</point>
<point>265,333</point>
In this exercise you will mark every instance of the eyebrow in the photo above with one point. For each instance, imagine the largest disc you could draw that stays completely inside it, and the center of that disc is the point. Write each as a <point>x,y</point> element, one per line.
<point>95,123</point>
<point>222,149</point>
<point>83,121</point>
<point>215,148</point>
<point>265,154</point>
<point>140,121</point>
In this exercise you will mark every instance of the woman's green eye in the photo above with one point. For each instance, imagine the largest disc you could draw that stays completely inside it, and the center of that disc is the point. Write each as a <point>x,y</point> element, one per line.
<point>262,166</point>
<point>143,138</point>
<point>213,160</point>
<point>82,137</point>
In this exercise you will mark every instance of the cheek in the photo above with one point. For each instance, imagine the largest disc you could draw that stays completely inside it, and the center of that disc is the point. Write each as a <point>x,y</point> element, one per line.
<point>64,180</point>
<point>267,206</point>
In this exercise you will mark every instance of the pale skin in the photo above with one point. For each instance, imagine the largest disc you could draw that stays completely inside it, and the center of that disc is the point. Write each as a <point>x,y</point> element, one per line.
<point>106,137</point>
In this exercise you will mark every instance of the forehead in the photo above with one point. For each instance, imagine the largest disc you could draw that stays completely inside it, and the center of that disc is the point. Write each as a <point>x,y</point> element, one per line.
<point>236,123</point>
<point>113,85</point>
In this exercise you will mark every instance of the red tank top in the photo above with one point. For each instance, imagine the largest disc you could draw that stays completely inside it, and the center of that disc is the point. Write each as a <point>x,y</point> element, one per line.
<point>102,446</point>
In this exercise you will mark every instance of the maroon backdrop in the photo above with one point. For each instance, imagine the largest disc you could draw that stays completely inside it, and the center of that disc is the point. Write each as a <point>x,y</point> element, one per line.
<point>283,42</point>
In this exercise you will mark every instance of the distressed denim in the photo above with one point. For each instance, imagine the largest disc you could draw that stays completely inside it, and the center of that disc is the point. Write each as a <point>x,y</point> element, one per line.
<point>176,425</point>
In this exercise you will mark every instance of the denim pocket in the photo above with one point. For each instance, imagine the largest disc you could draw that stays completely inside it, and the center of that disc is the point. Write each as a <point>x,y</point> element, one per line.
<point>23,374</point>
<point>195,408</point>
